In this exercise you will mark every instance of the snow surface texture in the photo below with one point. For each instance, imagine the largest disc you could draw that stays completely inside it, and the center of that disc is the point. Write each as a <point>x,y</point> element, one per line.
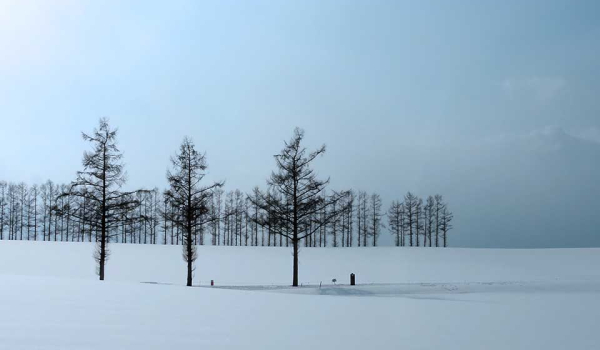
<point>407,298</point>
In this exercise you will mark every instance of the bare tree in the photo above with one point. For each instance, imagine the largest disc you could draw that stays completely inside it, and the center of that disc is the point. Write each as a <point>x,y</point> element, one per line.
<point>445,224</point>
<point>3,189</point>
<point>418,219</point>
<point>98,185</point>
<point>429,217</point>
<point>297,196</point>
<point>410,205</point>
<point>13,211</point>
<point>255,213</point>
<point>22,188</point>
<point>49,194</point>
<point>32,212</point>
<point>227,218</point>
<point>349,218</point>
<point>334,228</point>
<point>216,207</point>
<point>189,199</point>
<point>359,217</point>
<point>439,206</point>
<point>375,217</point>
<point>395,221</point>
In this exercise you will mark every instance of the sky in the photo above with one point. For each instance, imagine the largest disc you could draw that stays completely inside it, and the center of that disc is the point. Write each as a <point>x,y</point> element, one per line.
<point>493,104</point>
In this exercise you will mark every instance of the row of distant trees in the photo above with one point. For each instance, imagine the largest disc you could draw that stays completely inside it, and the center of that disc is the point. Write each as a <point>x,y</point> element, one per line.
<point>296,209</point>
<point>40,212</point>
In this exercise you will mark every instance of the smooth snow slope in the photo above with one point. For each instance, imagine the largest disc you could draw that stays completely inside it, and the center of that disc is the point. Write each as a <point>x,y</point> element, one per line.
<point>425,299</point>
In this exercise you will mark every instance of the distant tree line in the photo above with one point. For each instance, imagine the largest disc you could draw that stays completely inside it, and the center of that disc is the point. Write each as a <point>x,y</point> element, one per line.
<point>295,209</point>
<point>414,223</point>
<point>38,213</point>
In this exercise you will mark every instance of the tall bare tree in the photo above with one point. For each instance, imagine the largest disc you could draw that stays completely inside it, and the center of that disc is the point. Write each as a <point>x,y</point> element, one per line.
<point>99,186</point>
<point>189,199</point>
<point>297,196</point>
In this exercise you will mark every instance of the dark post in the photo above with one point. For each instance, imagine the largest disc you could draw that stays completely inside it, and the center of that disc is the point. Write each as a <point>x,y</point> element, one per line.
<point>212,282</point>
<point>352,279</point>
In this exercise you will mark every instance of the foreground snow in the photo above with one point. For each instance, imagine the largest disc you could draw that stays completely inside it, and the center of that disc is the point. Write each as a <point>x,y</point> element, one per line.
<point>418,299</point>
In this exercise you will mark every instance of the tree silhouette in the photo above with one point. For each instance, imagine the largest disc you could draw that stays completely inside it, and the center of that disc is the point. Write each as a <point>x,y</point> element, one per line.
<point>190,200</point>
<point>98,186</point>
<point>296,196</point>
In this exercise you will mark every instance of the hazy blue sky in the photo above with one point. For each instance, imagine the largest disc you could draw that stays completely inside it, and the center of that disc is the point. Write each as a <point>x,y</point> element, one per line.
<point>494,104</point>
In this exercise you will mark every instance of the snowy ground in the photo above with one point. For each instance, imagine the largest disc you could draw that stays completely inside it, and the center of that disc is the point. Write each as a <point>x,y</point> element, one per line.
<point>408,299</point>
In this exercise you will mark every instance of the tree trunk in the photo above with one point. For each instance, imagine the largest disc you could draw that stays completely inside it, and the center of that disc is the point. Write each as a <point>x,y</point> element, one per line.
<point>295,281</point>
<point>103,228</point>
<point>102,255</point>
<point>444,236</point>
<point>189,262</point>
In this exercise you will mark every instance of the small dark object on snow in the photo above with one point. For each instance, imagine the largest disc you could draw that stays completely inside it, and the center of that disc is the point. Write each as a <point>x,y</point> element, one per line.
<point>352,279</point>
<point>212,282</point>
<point>334,280</point>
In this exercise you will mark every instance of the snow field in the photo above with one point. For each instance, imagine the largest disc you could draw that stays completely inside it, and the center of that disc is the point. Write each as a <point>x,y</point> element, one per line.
<point>419,299</point>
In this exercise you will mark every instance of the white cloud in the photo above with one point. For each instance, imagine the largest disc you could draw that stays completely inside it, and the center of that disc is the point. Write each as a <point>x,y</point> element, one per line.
<point>540,89</point>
